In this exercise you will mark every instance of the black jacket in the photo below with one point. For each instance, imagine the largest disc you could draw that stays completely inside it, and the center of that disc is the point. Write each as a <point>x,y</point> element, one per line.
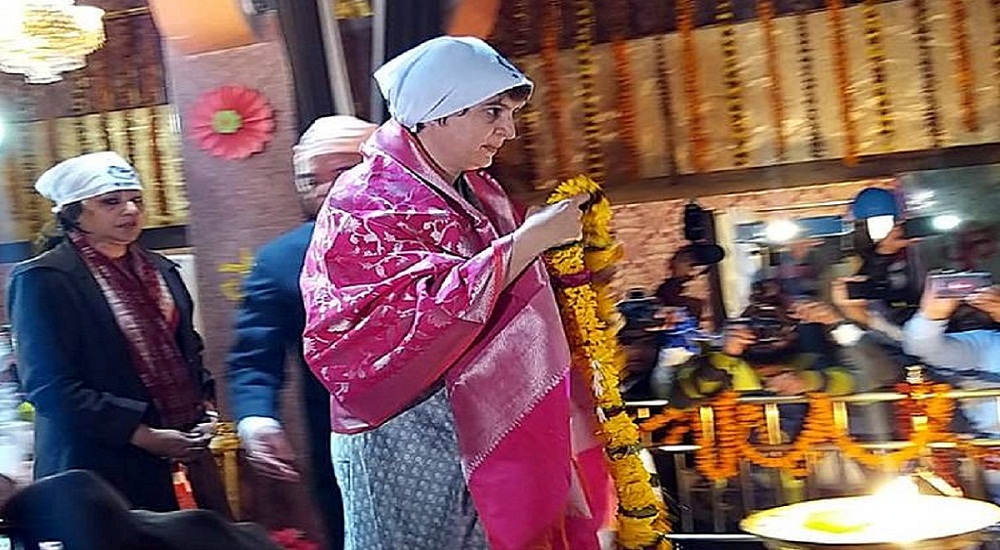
<point>75,367</point>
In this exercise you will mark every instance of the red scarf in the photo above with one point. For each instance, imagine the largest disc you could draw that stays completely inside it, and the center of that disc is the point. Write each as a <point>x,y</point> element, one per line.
<point>147,316</point>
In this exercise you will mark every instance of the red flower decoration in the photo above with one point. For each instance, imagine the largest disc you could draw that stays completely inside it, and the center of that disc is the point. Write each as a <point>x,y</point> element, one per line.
<point>292,539</point>
<point>232,122</point>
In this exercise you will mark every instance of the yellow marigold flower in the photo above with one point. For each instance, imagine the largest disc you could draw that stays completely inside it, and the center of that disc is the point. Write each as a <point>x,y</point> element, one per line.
<point>621,431</point>
<point>636,532</point>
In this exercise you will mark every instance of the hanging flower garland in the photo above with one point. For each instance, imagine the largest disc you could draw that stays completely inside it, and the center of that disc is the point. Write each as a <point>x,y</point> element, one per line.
<point>591,330</point>
<point>928,85</point>
<point>876,56</point>
<point>528,121</point>
<point>846,90</point>
<point>733,82</point>
<point>765,13</point>
<point>554,104</point>
<point>965,78</point>
<point>663,91</point>
<point>692,93</point>
<point>624,90</point>
<point>232,122</point>
<point>808,81</point>
<point>587,67</point>
<point>80,100</point>
<point>725,430</point>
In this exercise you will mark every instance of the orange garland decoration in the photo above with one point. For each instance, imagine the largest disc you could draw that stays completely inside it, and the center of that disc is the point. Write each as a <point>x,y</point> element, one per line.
<point>842,69</point>
<point>555,106</point>
<point>765,12</point>
<point>624,88</point>
<point>692,93</point>
<point>626,103</point>
<point>735,424</point>
<point>966,77</point>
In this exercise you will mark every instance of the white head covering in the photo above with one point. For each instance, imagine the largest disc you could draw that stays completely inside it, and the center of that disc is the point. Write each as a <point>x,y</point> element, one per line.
<point>331,134</point>
<point>87,176</point>
<point>443,76</point>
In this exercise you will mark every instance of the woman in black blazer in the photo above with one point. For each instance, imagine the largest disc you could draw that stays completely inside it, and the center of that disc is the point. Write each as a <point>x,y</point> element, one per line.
<point>107,351</point>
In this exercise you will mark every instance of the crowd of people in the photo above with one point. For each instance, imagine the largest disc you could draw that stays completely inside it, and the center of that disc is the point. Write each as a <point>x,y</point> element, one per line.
<point>798,335</point>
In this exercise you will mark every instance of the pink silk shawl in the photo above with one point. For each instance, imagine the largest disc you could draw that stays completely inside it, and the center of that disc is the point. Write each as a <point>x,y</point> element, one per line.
<point>404,287</point>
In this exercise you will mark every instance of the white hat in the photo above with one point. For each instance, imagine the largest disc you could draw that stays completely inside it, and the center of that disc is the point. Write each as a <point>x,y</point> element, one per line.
<point>442,76</point>
<point>331,134</point>
<point>87,176</point>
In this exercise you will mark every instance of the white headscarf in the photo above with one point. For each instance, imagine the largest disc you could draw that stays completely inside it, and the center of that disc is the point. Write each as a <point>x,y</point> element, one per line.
<point>87,176</point>
<point>331,134</point>
<point>444,76</point>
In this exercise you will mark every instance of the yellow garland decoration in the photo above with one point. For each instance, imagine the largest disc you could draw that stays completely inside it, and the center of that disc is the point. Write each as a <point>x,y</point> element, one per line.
<point>836,13</point>
<point>765,11</point>
<point>692,94</point>
<point>966,76</point>
<point>875,52</point>
<point>528,125</point>
<point>642,518</point>
<point>587,66</point>
<point>734,84</point>
<point>553,89</point>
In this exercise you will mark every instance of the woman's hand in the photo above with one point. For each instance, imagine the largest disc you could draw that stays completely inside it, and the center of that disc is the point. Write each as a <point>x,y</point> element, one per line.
<point>167,443</point>
<point>554,225</point>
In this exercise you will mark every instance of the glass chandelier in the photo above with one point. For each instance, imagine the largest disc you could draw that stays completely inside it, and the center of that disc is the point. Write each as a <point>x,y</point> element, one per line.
<point>42,39</point>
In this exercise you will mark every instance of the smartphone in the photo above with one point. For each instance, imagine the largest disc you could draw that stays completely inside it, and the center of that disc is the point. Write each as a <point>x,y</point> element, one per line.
<point>960,285</point>
<point>864,290</point>
<point>915,228</point>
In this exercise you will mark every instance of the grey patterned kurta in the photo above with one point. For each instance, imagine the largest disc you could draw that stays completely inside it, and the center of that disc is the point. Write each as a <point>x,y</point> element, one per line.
<point>403,485</point>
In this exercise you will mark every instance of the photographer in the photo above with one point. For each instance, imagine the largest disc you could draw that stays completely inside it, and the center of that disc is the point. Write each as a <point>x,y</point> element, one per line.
<point>757,356</point>
<point>971,358</point>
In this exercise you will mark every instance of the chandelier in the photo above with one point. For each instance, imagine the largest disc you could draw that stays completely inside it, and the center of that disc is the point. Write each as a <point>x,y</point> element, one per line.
<point>42,39</point>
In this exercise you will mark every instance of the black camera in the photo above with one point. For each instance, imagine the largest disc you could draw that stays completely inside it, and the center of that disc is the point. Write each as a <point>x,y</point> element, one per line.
<point>871,289</point>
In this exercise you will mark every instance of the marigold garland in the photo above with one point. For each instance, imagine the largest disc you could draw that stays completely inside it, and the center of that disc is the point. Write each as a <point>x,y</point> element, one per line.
<point>583,41</point>
<point>620,54</point>
<point>663,89</point>
<point>736,425</point>
<point>528,121</point>
<point>963,60</point>
<point>845,89</point>
<point>734,84</point>
<point>642,519</point>
<point>765,13</point>
<point>876,56</point>
<point>554,103</point>
<point>808,81</point>
<point>692,91</point>
<point>928,85</point>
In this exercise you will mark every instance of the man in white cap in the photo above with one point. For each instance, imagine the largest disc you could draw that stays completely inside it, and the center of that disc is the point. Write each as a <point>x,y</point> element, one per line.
<point>106,347</point>
<point>432,322</point>
<point>270,320</point>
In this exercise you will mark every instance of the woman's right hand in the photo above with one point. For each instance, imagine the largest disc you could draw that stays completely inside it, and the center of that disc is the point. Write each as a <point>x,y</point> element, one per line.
<point>167,443</point>
<point>556,224</point>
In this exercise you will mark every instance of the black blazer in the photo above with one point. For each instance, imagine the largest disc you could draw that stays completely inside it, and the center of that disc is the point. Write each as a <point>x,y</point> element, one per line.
<point>75,367</point>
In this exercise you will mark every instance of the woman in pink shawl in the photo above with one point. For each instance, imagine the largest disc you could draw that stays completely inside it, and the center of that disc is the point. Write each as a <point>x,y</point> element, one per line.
<point>431,320</point>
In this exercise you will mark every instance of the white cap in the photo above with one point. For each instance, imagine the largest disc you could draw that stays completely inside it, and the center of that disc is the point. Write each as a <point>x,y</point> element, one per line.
<point>331,134</point>
<point>87,176</point>
<point>443,76</point>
